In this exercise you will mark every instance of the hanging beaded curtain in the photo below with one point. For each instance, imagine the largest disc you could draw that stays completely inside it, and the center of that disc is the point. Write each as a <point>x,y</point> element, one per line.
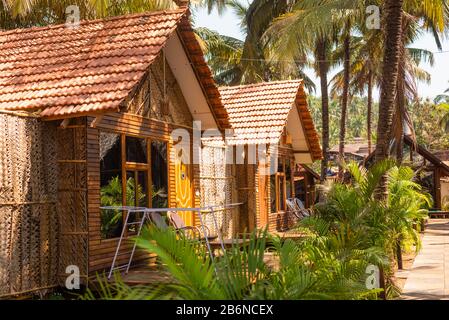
<point>28,217</point>
<point>216,188</point>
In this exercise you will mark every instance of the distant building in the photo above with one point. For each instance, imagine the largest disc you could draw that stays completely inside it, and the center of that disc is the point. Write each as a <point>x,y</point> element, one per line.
<point>356,150</point>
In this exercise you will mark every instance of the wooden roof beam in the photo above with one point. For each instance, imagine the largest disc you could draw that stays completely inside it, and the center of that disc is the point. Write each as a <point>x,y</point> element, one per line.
<point>65,123</point>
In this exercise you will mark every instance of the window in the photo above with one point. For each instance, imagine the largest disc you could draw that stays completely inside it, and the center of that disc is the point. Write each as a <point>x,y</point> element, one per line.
<point>281,184</point>
<point>138,180</point>
<point>136,150</point>
<point>159,177</point>
<point>110,184</point>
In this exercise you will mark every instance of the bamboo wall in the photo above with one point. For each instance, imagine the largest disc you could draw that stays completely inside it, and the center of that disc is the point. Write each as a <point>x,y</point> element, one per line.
<point>247,191</point>
<point>280,221</point>
<point>29,231</point>
<point>72,198</point>
<point>253,189</point>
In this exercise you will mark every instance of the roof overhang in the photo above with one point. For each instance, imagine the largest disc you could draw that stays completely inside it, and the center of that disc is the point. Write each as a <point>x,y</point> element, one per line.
<point>300,145</point>
<point>188,82</point>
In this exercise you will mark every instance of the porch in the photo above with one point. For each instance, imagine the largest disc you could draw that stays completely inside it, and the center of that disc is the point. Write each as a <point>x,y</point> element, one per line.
<point>143,272</point>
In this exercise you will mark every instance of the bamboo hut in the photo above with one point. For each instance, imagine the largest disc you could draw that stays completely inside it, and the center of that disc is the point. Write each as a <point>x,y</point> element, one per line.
<point>270,119</point>
<point>87,116</point>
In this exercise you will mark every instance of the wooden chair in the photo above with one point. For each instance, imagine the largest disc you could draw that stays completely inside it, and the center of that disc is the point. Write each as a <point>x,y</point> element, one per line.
<point>306,212</point>
<point>296,207</point>
<point>179,224</point>
<point>159,221</point>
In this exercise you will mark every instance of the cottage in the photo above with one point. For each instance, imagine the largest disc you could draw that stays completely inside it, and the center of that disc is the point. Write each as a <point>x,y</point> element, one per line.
<point>273,128</point>
<point>357,150</point>
<point>86,120</point>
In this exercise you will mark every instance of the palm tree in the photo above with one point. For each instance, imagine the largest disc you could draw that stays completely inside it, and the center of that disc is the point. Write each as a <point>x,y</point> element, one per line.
<point>28,13</point>
<point>297,33</point>
<point>314,269</point>
<point>350,230</point>
<point>365,74</point>
<point>434,14</point>
<point>238,62</point>
<point>224,56</point>
<point>345,96</point>
<point>323,67</point>
<point>358,214</point>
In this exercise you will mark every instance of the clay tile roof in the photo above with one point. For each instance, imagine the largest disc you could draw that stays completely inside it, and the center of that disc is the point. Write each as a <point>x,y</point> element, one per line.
<point>64,72</point>
<point>258,113</point>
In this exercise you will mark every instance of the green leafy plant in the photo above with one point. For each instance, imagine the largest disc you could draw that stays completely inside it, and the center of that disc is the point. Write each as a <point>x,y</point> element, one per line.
<point>353,223</point>
<point>302,271</point>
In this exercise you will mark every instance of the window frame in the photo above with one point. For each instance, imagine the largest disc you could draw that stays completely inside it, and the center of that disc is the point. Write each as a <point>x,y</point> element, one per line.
<point>135,167</point>
<point>282,175</point>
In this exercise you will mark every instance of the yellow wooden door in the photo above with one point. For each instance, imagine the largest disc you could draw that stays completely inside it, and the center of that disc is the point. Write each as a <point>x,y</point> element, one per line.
<point>184,194</point>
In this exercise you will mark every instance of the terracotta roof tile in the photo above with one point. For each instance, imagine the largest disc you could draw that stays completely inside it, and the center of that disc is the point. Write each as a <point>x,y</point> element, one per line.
<point>74,71</point>
<point>259,112</point>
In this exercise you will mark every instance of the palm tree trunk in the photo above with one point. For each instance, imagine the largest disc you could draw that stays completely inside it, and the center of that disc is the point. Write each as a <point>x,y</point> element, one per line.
<point>345,98</point>
<point>323,70</point>
<point>400,116</point>
<point>370,110</point>
<point>401,103</point>
<point>393,43</point>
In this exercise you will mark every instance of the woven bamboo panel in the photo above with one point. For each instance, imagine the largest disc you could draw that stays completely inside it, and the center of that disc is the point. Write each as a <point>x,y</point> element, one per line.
<point>72,199</point>
<point>28,216</point>
<point>149,100</point>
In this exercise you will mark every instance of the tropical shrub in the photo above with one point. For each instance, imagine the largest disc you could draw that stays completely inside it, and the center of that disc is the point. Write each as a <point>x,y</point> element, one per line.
<point>352,221</point>
<point>302,271</point>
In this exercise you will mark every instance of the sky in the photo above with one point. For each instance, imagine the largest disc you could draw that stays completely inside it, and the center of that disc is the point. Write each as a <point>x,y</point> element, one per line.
<point>227,24</point>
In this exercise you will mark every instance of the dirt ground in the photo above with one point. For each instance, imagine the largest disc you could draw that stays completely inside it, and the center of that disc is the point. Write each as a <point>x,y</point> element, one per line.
<point>400,276</point>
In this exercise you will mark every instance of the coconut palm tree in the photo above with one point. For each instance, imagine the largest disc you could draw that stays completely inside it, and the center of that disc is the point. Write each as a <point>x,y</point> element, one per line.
<point>28,13</point>
<point>434,15</point>
<point>366,74</point>
<point>234,62</point>
<point>297,33</point>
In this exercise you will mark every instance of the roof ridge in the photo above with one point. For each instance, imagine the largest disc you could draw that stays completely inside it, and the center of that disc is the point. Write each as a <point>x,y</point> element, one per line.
<point>264,83</point>
<point>85,22</point>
